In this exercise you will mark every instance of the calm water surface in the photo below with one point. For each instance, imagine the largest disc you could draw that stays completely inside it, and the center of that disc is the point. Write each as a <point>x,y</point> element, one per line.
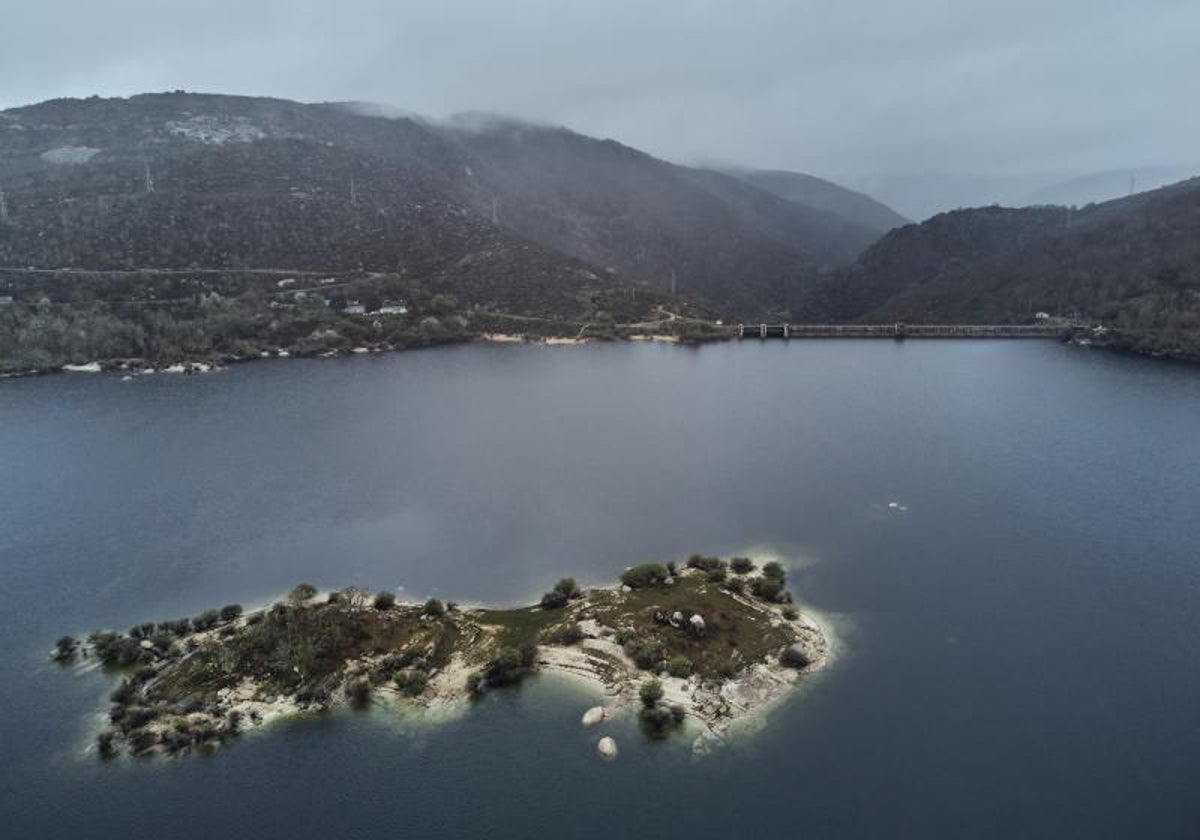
<point>1020,648</point>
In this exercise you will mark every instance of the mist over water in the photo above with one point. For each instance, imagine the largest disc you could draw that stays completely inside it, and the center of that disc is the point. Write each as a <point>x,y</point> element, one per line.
<point>1017,645</point>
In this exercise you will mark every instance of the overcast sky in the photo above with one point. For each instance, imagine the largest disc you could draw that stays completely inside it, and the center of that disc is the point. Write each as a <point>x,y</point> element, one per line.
<point>833,87</point>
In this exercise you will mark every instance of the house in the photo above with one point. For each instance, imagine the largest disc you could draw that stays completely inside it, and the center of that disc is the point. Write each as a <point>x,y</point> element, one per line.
<point>354,308</point>
<point>389,308</point>
<point>1042,316</point>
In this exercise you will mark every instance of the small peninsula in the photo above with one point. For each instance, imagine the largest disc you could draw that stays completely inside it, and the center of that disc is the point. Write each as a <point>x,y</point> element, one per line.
<point>712,642</point>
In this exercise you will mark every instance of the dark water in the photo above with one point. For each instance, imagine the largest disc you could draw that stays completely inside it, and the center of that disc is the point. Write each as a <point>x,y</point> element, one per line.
<point>1021,647</point>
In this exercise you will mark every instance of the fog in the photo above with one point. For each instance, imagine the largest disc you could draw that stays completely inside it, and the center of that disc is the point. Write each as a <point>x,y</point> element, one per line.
<point>877,94</point>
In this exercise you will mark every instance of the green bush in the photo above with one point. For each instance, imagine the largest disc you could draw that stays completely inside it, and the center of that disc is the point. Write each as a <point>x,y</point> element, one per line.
<point>767,588</point>
<point>790,613</point>
<point>384,600</point>
<point>679,666</point>
<point>302,593</point>
<point>645,657</point>
<point>647,574</point>
<point>650,692</point>
<point>741,565</point>
<point>206,620</point>
<point>475,682</point>
<point>434,607</point>
<point>562,593</point>
<point>774,570</point>
<point>706,564</point>
<point>510,665</point>
<point>735,585</point>
<point>571,634</point>
<point>716,576</point>
<point>411,681</point>
<point>231,611</point>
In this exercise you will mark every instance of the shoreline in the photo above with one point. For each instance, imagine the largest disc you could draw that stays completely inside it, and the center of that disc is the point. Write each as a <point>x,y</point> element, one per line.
<point>135,368</point>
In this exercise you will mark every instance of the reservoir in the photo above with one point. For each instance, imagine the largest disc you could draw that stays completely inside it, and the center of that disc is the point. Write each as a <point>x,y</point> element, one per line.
<point>1003,536</point>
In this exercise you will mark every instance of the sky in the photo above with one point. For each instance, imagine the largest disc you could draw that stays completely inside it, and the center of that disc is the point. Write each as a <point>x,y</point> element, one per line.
<point>878,92</point>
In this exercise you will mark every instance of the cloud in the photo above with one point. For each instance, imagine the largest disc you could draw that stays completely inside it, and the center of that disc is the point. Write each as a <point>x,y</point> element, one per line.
<point>817,85</point>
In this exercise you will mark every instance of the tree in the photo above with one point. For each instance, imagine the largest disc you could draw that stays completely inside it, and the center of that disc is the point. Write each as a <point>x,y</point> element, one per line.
<point>302,593</point>
<point>647,574</point>
<point>231,611</point>
<point>384,600</point>
<point>679,666</point>
<point>433,607</point>
<point>561,594</point>
<point>650,693</point>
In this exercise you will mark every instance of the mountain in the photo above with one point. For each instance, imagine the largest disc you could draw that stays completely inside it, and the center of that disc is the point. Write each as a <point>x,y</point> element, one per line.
<point>164,225</point>
<point>1131,265</point>
<point>511,216</point>
<point>693,229</point>
<point>1097,187</point>
<point>820,194</point>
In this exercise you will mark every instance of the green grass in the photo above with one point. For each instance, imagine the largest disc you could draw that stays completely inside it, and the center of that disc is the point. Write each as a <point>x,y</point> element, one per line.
<point>522,626</point>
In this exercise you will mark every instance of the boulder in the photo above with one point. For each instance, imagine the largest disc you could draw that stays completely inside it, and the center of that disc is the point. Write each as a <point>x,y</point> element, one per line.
<point>697,624</point>
<point>607,747</point>
<point>593,716</point>
<point>677,619</point>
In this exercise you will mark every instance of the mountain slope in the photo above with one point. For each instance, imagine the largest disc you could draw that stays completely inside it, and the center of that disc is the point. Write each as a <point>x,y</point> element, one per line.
<point>617,207</point>
<point>827,196</point>
<point>1132,265</point>
<point>189,181</point>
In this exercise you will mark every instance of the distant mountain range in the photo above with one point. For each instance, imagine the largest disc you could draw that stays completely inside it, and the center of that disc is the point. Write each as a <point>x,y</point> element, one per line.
<point>921,195</point>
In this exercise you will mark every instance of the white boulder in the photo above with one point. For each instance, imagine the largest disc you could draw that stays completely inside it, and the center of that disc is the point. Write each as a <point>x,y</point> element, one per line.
<point>607,747</point>
<point>593,716</point>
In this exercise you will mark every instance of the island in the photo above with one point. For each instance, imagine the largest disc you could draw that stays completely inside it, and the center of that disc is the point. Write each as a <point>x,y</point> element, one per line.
<point>711,642</point>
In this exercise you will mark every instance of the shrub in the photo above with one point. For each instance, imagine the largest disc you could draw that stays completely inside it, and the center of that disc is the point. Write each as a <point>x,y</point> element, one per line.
<point>561,594</point>
<point>716,576</point>
<point>302,593</point>
<point>384,600</point>
<point>433,607</point>
<point>508,667</point>
<point>767,588</point>
<point>650,692</point>
<point>741,565</point>
<point>64,648</point>
<point>645,656</point>
<point>142,631</point>
<point>790,613</point>
<point>680,666</point>
<point>673,568</point>
<point>411,681</point>
<point>229,612</point>
<point>206,620</point>
<point>475,682</point>
<point>105,744</point>
<point>735,585</point>
<point>706,564</point>
<point>571,634</point>
<point>359,691</point>
<point>647,574</point>
<point>774,570</point>
<point>624,636</point>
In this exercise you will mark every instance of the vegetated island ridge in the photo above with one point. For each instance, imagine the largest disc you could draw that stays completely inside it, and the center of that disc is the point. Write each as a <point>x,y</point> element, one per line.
<point>714,642</point>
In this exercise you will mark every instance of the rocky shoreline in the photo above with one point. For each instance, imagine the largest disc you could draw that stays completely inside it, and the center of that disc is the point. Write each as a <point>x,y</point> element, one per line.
<point>699,644</point>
